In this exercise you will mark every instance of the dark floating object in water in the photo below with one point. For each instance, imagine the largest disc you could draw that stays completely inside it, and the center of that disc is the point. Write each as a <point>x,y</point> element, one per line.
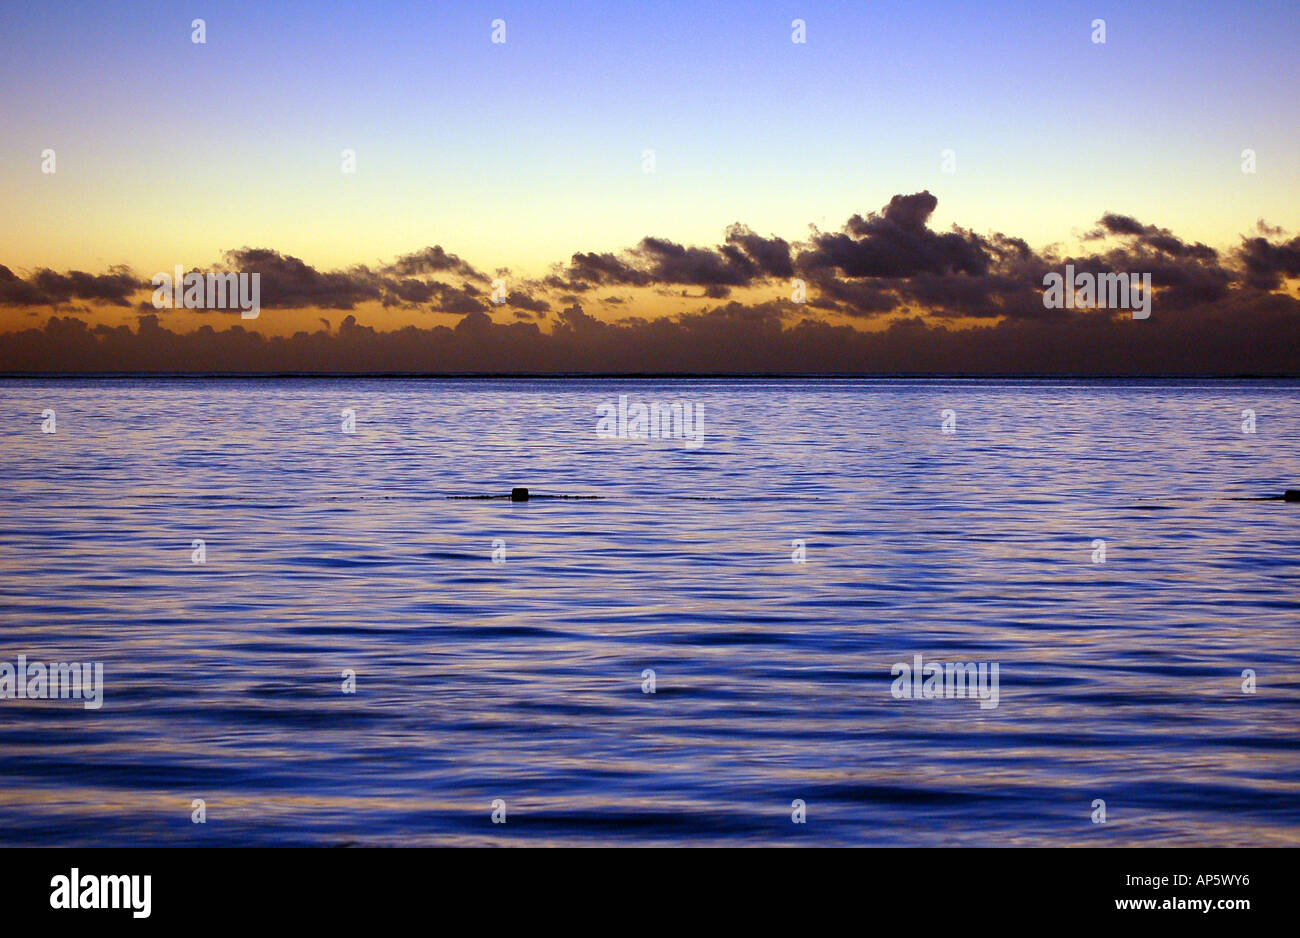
<point>521,494</point>
<point>1290,495</point>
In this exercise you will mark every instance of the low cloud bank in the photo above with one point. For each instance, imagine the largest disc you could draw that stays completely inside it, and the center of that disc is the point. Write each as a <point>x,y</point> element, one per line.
<point>1240,336</point>
<point>1213,312</point>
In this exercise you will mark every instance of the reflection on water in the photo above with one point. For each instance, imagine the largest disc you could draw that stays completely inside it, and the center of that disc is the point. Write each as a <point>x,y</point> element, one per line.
<point>522,680</point>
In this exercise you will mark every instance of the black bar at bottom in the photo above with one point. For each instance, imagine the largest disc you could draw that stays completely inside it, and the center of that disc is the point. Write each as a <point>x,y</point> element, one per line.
<point>648,889</point>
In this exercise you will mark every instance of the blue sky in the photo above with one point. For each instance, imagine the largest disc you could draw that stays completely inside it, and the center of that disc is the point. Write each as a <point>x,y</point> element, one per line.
<point>519,154</point>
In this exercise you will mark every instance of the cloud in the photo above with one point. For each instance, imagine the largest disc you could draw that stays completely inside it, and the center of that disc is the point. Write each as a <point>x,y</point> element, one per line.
<point>433,260</point>
<point>1267,263</point>
<point>586,270</point>
<point>1149,236</point>
<point>287,282</point>
<point>937,301</point>
<point>772,255</point>
<point>896,243</point>
<point>48,288</point>
<point>449,299</point>
<point>1239,335</point>
<point>744,258</point>
<point>526,302</point>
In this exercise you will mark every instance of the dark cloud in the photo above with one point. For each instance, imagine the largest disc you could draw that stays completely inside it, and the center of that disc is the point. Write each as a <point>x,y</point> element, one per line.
<point>896,243</point>
<point>449,299</point>
<point>48,288</point>
<point>1238,335</point>
<point>410,290</point>
<point>431,261</point>
<point>909,212</point>
<point>526,302</point>
<point>1150,236</point>
<point>589,269</point>
<point>1267,263</point>
<point>1119,225</point>
<point>287,282</point>
<point>1211,313</point>
<point>669,262</point>
<point>744,258</point>
<point>772,255</point>
<point>854,297</point>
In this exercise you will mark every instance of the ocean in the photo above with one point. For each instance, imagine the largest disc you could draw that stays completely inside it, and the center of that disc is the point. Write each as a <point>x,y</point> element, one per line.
<point>307,638</point>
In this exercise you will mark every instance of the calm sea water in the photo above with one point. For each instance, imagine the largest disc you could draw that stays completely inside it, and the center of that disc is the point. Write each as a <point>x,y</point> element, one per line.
<point>523,680</point>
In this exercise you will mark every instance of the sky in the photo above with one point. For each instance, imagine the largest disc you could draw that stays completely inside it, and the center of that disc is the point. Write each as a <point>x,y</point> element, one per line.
<point>516,155</point>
